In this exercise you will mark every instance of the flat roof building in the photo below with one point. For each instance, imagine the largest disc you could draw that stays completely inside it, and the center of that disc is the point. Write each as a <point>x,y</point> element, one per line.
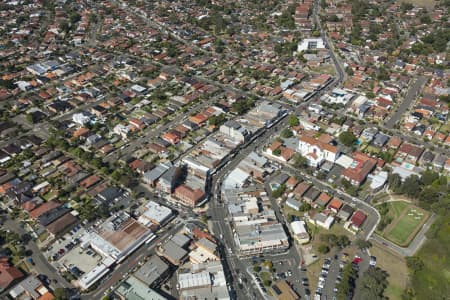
<point>203,281</point>
<point>153,272</point>
<point>155,213</point>
<point>133,289</point>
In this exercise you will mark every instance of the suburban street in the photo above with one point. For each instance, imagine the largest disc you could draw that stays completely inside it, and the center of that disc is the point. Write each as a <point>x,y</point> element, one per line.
<point>408,100</point>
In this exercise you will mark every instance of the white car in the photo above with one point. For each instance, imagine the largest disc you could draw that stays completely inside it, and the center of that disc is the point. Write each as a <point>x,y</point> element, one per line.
<point>373,261</point>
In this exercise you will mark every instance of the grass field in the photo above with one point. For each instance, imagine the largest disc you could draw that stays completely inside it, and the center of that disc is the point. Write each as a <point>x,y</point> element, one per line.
<point>407,220</point>
<point>408,223</point>
<point>432,282</point>
<point>396,208</point>
<point>395,266</point>
<point>425,3</point>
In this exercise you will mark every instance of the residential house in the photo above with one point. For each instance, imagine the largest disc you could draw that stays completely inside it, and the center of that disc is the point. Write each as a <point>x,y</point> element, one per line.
<point>409,153</point>
<point>358,171</point>
<point>335,205</point>
<point>358,219</point>
<point>8,274</point>
<point>345,213</point>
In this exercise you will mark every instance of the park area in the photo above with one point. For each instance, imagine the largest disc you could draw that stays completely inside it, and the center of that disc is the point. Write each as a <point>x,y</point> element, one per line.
<point>407,219</point>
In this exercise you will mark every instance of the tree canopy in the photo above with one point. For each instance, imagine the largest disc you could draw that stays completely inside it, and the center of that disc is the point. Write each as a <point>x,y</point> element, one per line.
<point>347,138</point>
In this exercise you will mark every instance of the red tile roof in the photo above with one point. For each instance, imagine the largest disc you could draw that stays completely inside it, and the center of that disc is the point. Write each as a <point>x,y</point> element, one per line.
<point>43,208</point>
<point>358,218</point>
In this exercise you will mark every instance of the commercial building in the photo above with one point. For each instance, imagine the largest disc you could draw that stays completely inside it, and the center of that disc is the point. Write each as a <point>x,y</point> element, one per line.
<point>155,214</point>
<point>203,281</point>
<point>172,252</point>
<point>311,44</point>
<point>301,235</point>
<point>133,289</point>
<point>114,240</point>
<point>255,239</point>
<point>188,196</point>
<point>235,130</point>
<point>153,272</point>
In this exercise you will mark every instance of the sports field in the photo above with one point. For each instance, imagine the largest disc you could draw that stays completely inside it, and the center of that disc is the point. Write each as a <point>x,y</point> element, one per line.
<point>405,227</point>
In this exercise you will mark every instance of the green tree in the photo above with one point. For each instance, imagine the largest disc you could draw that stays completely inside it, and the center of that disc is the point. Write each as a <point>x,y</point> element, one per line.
<point>373,283</point>
<point>277,152</point>
<point>305,207</point>
<point>394,182</point>
<point>428,177</point>
<point>343,241</point>
<point>286,133</point>
<point>411,186</point>
<point>293,121</point>
<point>60,294</point>
<point>370,95</point>
<point>414,263</point>
<point>279,191</point>
<point>323,249</point>
<point>363,244</point>
<point>345,286</point>
<point>299,161</point>
<point>347,138</point>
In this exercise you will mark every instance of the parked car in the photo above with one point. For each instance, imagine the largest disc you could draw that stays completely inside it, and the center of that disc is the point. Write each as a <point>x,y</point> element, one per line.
<point>373,261</point>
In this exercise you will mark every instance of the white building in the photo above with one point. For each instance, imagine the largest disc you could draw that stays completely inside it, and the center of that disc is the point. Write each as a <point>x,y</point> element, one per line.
<point>311,44</point>
<point>300,232</point>
<point>155,214</point>
<point>122,130</point>
<point>235,130</point>
<point>338,96</point>
<point>316,152</point>
<point>80,119</point>
<point>203,281</point>
<point>307,125</point>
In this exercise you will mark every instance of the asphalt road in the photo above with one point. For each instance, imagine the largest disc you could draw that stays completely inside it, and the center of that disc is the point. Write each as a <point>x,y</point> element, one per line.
<point>411,95</point>
<point>329,45</point>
